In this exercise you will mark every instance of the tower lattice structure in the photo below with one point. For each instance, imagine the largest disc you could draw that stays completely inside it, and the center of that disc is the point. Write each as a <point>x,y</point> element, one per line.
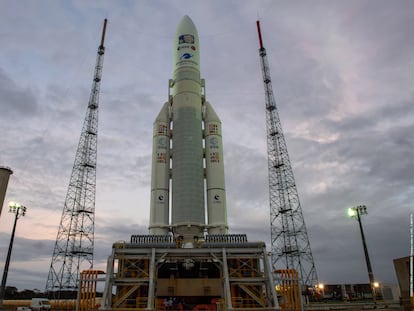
<point>74,245</point>
<point>289,239</point>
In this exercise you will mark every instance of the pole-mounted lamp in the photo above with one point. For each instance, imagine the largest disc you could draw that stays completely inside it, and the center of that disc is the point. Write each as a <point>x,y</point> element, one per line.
<point>18,210</point>
<point>356,212</point>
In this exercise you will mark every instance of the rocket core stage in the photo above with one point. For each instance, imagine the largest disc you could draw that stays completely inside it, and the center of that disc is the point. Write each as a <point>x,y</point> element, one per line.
<point>187,148</point>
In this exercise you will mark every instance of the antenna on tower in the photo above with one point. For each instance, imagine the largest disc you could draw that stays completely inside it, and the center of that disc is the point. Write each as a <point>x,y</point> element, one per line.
<point>289,239</point>
<point>103,33</point>
<point>74,245</point>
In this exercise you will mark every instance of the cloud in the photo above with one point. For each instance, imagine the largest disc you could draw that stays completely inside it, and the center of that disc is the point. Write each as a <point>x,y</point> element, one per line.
<point>17,101</point>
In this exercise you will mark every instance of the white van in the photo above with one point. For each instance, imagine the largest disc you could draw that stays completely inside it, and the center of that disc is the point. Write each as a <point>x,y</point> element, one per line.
<point>40,304</point>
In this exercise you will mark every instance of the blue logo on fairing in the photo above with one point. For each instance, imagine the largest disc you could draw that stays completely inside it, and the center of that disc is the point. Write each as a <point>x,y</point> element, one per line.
<point>186,56</point>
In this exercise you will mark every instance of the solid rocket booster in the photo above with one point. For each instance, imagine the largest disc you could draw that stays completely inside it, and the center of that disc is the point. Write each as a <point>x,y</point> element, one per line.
<point>187,148</point>
<point>216,194</point>
<point>160,176</point>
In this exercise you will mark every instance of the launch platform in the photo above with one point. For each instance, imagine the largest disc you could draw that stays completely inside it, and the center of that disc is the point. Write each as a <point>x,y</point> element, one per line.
<point>221,272</point>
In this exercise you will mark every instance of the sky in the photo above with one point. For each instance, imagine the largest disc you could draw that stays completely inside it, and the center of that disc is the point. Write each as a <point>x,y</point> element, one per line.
<point>342,75</point>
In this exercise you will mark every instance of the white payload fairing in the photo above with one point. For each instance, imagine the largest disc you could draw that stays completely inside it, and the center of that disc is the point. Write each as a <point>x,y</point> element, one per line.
<point>187,150</point>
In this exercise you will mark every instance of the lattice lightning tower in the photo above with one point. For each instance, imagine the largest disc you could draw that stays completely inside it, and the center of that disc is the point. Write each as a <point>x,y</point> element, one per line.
<point>74,245</point>
<point>289,239</point>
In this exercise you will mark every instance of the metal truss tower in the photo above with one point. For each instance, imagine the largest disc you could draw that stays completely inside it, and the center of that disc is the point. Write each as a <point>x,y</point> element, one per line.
<point>289,239</point>
<point>74,245</point>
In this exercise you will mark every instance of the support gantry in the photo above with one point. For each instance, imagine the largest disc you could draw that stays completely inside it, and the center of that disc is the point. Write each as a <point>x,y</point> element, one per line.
<point>74,246</point>
<point>289,238</point>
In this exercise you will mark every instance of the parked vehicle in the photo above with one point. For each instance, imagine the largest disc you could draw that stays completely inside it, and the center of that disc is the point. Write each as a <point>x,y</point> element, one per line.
<point>40,304</point>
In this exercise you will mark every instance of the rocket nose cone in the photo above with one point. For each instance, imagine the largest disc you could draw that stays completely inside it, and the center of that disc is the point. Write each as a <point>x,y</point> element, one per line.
<point>186,45</point>
<point>186,25</point>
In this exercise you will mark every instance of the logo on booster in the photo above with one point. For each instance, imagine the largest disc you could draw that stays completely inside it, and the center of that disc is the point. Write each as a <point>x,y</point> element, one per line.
<point>213,143</point>
<point>162,143</point>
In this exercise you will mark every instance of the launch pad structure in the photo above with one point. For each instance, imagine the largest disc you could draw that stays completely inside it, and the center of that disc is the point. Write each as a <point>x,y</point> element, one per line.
<point>188,261</point>
<point>222,272</point>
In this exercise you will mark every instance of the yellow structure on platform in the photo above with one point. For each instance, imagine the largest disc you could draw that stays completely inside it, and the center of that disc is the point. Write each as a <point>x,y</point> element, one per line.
<point>289,289</point>
<point>87,290</point>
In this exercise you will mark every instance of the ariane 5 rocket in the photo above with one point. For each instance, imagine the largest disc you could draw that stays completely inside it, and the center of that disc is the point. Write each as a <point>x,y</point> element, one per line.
<point>187,156</point>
